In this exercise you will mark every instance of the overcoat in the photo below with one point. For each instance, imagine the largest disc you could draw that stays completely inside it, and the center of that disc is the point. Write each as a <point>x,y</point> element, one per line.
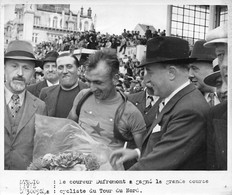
<point>36,88</point>
<point>50,96</point>
<point>19,147</point>
<point>217,137</point>
<point>177,138</point>
<point>139,100</point>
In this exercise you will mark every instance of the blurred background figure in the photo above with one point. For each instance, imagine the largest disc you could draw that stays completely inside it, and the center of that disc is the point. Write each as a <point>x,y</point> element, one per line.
<point>201,68</point>
<point>50,74</point>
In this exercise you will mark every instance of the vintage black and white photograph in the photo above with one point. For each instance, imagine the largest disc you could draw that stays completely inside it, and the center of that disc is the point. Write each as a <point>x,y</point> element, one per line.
<point>135,94</point>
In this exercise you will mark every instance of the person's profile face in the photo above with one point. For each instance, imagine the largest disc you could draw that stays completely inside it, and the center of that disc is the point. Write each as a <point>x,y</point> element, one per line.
<point>197,73</point>
<point>222,94</point>
<point>157,76</point>
<point>224,73</point>
<point>220,50</point>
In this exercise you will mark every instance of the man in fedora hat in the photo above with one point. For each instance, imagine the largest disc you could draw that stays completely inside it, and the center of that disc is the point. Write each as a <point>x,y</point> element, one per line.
<point>176,139</point>
<point>59,98</point>
<point>201,68</point>
<point>20,105</point>
<point>215,80</point>
<point>217,117</point>
<point>50,74</point>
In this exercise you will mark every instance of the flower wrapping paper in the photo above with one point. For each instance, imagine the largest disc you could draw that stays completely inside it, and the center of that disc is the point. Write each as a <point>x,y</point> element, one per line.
<point>60,135</point>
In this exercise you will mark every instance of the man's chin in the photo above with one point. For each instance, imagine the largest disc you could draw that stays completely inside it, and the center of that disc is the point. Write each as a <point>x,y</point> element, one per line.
<point>18,87</point>
<point>196,85</point>
<point>97,96</point>
<point>51,77</point>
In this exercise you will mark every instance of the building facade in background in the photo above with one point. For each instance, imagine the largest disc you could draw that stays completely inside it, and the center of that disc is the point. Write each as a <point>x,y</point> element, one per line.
<point>192,22</point>
<point>44,22</point>
<point>143,27</point>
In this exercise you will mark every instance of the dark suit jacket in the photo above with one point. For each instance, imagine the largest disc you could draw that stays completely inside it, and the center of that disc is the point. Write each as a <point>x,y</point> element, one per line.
<point>50,96</point>
<point>36,88</point>
<point>139,100</point>
<point>217,137</point>
<point>18,151</point>
<point>179,139</point>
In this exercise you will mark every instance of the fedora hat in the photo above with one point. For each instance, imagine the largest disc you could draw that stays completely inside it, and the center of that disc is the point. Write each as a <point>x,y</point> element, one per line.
<point>164,49</point>
<point>211,79</point>
<point>202,53</point>
<point>217,35</point>
<point>51,57</point>
<point>21,50</point>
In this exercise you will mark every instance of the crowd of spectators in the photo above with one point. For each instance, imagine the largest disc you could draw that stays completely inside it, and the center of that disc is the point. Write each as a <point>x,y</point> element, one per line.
<point>131,78</point>
<point>93,40</point>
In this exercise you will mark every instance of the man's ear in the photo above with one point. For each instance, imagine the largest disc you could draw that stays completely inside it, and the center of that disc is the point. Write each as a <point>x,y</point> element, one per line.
<point>172,71</point>
<point>115,79</point>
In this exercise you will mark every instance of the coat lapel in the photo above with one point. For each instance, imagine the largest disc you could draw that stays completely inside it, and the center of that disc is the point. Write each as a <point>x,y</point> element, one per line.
<point>141,101</point>
<point>51,101</point>
<point>169,106</point>
<point>29,110</point>
<point>6,118</point>
<point>41,86</point>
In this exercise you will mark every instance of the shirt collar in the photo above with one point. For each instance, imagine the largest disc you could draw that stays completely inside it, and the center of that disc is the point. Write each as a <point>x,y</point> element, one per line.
<point>8,95</point>
<point>74,86</point>
<point>166,100</point>
<point>51,84</point>
<point>155,98</point>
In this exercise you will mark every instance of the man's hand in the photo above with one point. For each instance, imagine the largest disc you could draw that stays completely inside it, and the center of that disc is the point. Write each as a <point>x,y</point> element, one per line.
<point>118,157</point>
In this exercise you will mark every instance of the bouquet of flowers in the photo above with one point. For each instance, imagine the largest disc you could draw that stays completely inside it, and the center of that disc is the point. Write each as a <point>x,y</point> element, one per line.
<point>62,144</point>
<point>66,161</point>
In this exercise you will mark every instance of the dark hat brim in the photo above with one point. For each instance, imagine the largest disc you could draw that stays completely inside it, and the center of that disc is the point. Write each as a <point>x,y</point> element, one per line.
<point>211,79</point>
<point>38,63</point>
<point>48,60</point>
<point>165,61</point>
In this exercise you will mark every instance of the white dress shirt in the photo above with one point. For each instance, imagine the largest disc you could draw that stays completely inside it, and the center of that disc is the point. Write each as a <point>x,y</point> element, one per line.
<point>51,84</point>
<point>8,95</point>
<point>167,99</point>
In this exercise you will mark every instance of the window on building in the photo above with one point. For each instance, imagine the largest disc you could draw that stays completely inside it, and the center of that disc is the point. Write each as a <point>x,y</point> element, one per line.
<point>20,15</point>
<point>223,14</point>
<point>35,37</point>
<point>86,26</point>
<point>190,22</point>
<point>8,29</point>
<point>36,20</point>
<point>61,24</point>
<point>55,21</point>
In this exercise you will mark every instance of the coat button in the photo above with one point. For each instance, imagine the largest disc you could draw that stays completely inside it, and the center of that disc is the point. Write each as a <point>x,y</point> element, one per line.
<point>11,148</point>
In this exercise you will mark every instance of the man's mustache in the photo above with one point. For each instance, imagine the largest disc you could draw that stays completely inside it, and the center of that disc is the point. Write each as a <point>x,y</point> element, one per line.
<point>19,79</point>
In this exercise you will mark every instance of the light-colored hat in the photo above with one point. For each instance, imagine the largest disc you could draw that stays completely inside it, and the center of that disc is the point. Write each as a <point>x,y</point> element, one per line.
<point>217,35</point>
<point>21,50</point>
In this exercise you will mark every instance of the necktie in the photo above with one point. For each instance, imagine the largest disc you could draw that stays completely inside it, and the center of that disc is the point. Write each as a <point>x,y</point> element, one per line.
<point>161,106</point>
<point>150,101</point>
<point>211,99</point>
<point>15,106</point>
